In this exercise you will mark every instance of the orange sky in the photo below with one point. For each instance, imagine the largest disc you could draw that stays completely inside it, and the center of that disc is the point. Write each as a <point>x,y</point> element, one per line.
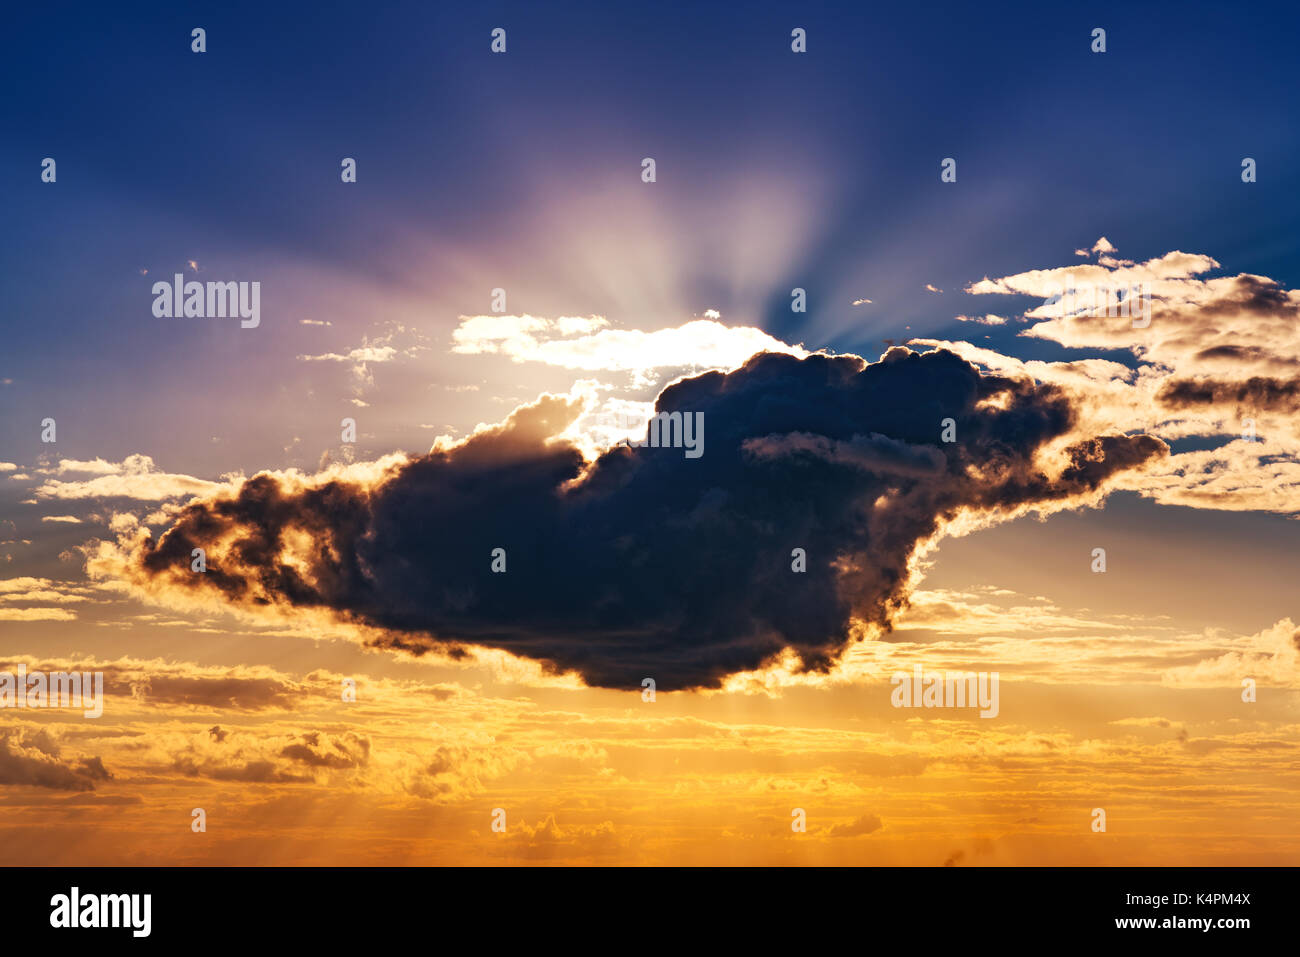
<point>1141,718</point>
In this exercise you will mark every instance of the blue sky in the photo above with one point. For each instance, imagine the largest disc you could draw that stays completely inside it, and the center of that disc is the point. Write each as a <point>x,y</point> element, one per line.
<point>232,155</point>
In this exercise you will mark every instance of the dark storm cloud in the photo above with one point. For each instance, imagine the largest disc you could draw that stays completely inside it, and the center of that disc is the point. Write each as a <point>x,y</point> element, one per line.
<point>650,564</point>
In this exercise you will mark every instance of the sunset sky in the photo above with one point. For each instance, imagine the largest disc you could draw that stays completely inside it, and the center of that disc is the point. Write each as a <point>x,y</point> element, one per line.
<point>1174,447</point>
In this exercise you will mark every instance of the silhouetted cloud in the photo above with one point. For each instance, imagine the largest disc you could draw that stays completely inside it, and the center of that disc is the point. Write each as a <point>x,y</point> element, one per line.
<point>644,563</point>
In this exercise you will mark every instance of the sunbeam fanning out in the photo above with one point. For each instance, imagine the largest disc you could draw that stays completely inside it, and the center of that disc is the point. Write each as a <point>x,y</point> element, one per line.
<point>614,434</point>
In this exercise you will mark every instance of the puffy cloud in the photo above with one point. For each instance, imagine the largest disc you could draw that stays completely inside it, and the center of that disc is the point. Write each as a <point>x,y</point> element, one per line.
<point>1233,321</point>
<point>1271,657</point>
<point>1048,283</point>
<point>575,343</point>
<point>135,477</point>
<point>33,758</point>
<point>462,763</point>
<point>547,840</point>
<point>319,751</point>
<point>644,563</point>
<point>267,758</point>
<point>36,614</point>
<point>1220,358</point>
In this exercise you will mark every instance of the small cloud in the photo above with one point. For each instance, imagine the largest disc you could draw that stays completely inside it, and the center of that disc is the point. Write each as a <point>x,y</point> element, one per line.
<point>144,272</point>
<point>360,355</point>
<point>860,302</point>
<point>1103,245</point>
<point>712,314</point>
<point>135,477</point>
<point>36,614</point>
<point>932,287</point>
<point>192,264</point>
<point>69,519</point>
<point>314,322</point>
<point>986,320</point>
<point>866,824</point>
<point>1148,722</point>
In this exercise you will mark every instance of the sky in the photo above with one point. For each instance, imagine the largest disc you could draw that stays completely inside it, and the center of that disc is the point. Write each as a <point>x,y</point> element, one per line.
<point>500,296</point>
